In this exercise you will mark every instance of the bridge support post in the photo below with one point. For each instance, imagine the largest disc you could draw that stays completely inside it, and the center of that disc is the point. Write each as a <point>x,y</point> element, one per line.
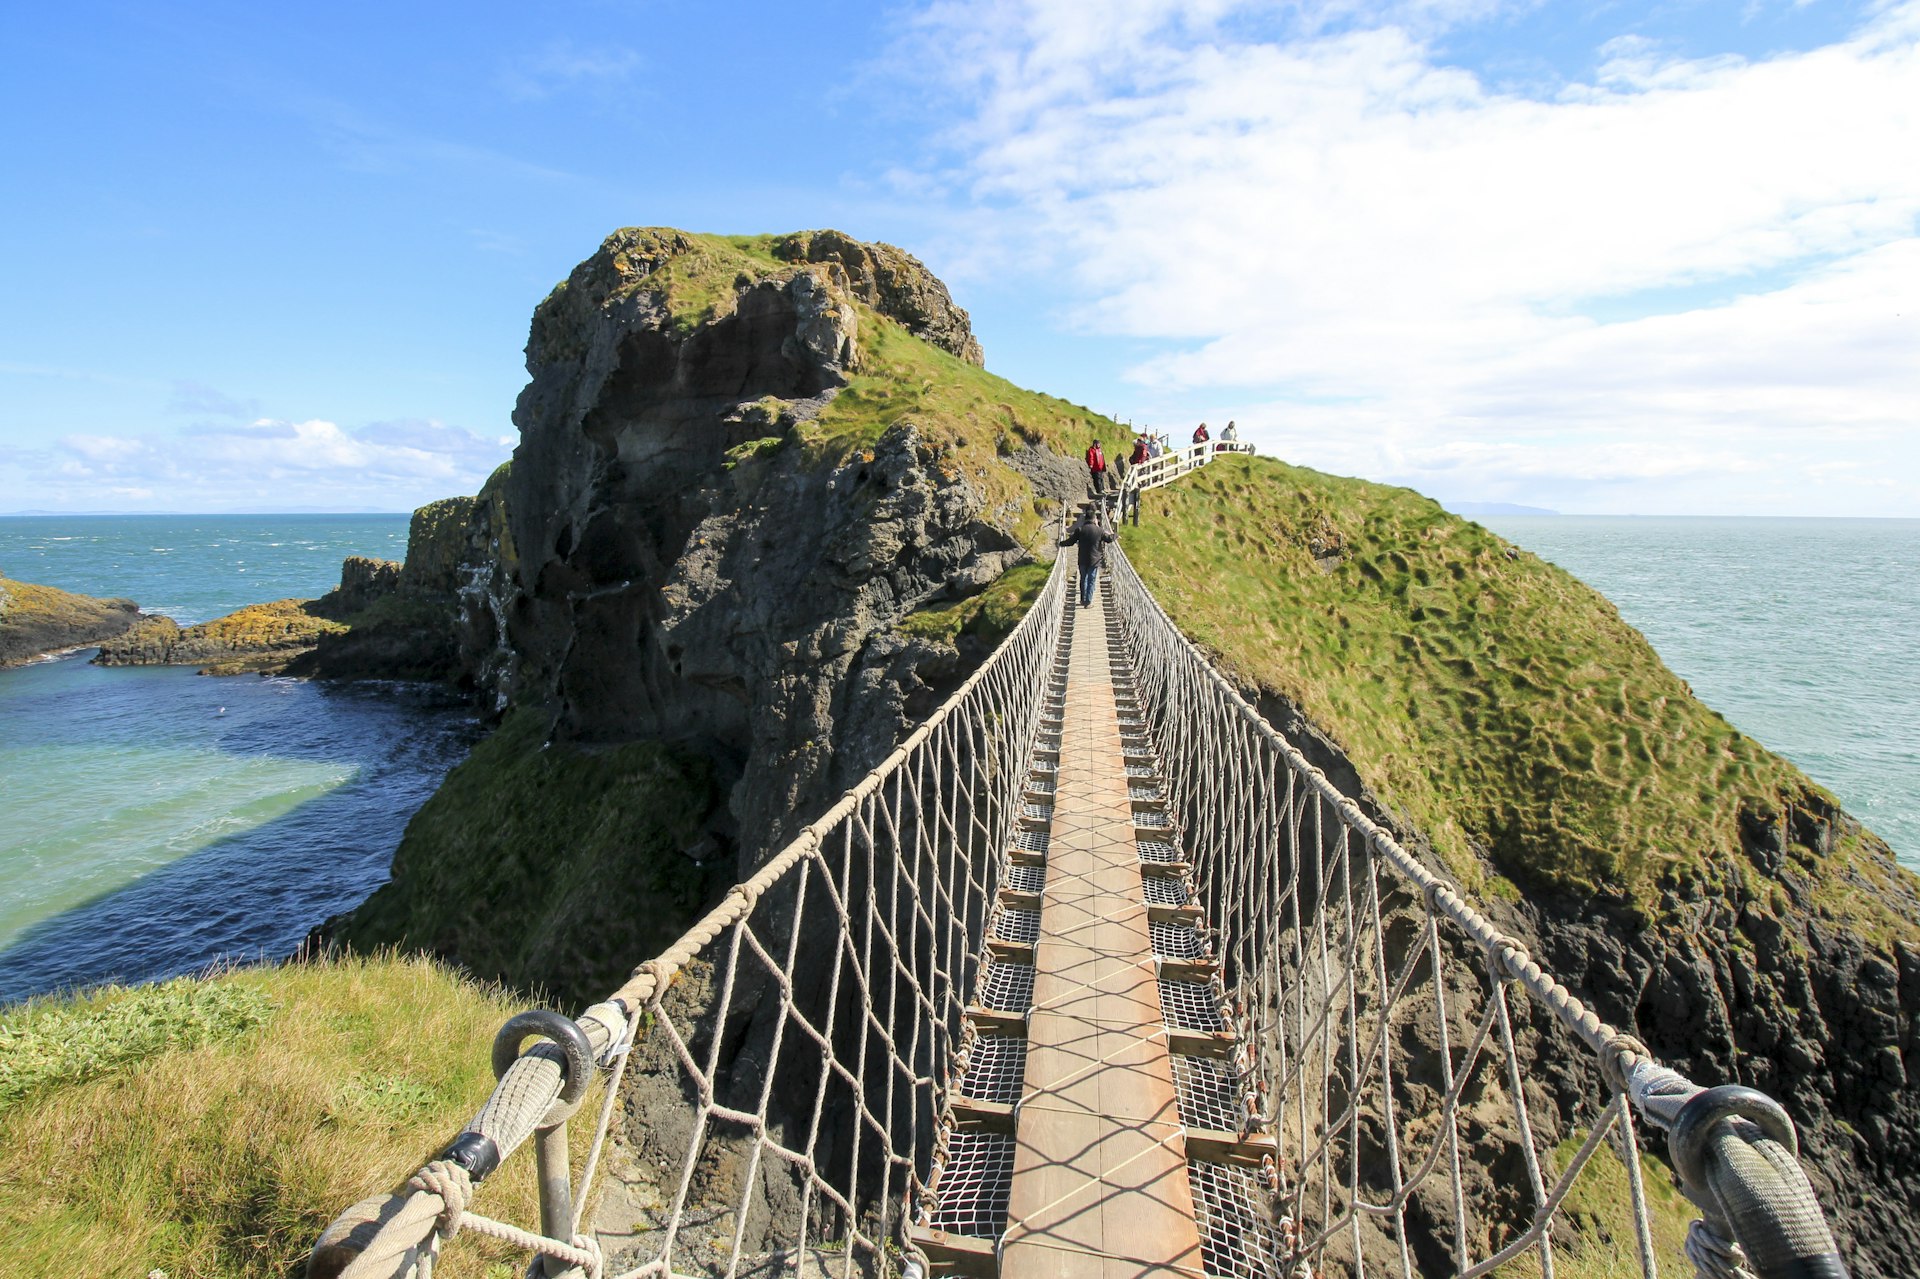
<point>556,1191</point>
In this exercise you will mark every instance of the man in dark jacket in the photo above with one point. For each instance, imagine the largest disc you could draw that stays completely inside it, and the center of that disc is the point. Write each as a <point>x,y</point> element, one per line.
<point>1092,538</point>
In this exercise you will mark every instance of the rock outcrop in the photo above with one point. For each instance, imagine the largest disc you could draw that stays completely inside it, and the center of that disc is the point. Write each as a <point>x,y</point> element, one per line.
<point>257,639</point>
<point>894,283</point>
<point>38,620</point>
<point>702,556</point>
<point>744,466</point>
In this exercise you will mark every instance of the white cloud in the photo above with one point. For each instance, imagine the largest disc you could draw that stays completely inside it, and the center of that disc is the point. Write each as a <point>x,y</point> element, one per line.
<point>257,465</point>
<point>1334,223</point>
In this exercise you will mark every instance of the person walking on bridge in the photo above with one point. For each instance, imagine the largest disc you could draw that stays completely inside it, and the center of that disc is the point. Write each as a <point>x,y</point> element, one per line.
<point>1201,435</point>
<point>1092,538</point>
<point>1097,468</point>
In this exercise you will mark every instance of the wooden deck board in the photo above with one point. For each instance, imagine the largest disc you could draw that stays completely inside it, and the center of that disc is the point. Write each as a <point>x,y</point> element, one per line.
<point>1100,1186</point>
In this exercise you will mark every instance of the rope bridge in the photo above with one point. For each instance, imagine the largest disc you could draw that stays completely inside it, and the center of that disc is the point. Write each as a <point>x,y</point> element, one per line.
<point>829,1073</point>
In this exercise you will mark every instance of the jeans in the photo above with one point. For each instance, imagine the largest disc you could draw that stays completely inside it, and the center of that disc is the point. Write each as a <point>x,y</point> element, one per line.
<point>1089,578</point>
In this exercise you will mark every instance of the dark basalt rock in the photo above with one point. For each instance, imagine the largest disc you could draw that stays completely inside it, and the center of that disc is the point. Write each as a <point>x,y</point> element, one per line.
<point>662,586</point>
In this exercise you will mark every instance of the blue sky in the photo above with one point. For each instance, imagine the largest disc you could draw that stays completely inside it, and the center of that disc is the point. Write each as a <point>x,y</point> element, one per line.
<point>1601,257</point>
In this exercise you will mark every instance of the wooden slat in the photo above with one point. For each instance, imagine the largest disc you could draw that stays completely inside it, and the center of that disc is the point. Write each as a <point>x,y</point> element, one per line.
<point>1100,1185</point>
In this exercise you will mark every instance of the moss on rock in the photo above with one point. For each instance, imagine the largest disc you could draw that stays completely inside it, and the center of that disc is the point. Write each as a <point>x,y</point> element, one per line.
<point>257,638</point>
<point>37,620</point>
<point>561,865</point>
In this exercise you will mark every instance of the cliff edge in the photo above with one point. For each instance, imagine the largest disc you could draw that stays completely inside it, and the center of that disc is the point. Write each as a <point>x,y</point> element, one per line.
<point>755,476</point>
<point>1700,892</point>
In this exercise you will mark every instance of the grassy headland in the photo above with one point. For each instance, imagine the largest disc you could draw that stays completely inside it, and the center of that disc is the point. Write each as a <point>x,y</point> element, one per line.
<point>1490,699</point>
<point>37,619</point>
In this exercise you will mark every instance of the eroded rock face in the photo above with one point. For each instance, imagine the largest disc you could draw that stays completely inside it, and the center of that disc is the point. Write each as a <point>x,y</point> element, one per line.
<point>893,282</point>
<point>682,571</point>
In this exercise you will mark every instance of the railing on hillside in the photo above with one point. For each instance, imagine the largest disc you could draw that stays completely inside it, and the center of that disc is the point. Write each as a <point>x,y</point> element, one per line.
<point>1174,463</point>
<point>797,1042</point>
<point>1385,1019</point>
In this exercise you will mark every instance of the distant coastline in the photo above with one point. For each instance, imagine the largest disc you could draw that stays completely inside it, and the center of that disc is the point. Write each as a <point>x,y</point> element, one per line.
<point>1496,508</point>
<point>304,511</point>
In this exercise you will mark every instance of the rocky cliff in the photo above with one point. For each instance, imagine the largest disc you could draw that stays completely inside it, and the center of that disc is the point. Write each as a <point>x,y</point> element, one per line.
<point>257,639</point>
<point>38,620</point>
<point>745,466</point>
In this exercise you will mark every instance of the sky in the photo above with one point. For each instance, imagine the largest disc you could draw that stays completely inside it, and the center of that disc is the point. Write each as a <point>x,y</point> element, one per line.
<point>1654,257</point>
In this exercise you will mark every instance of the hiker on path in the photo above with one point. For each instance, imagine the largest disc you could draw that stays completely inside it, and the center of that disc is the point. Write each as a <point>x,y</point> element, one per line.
<point>1200,434</point>
<point>1092,538</point>
<point>1097,467</point>
<point>1231,435</point>
<point>1141,452</point>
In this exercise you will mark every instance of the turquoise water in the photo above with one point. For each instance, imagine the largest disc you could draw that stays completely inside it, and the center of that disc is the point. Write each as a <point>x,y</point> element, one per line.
<point>194,567</point>
<point>1804,633</point>
<point>156,820</point>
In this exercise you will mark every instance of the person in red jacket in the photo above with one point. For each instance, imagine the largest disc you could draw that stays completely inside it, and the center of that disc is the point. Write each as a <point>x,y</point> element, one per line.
<point>1097,468</point>
<point>1200,434</point>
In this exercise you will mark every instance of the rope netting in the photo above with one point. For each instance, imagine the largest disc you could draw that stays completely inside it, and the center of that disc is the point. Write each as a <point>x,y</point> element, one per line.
<point>783,1098</point>
<point>783,1084</point>
<point>1429,1112</point>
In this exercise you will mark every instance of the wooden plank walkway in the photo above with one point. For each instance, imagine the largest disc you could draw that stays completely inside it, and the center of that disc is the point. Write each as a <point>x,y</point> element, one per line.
<point>1100,1188</point>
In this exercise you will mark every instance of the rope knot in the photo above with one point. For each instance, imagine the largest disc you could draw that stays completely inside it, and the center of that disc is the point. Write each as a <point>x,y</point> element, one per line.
<point>1617,1059</point>
<point>448,1180</point>
<point>591,1246</point>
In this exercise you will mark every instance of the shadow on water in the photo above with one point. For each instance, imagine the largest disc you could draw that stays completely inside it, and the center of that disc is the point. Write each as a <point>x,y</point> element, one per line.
<point>253,894</point>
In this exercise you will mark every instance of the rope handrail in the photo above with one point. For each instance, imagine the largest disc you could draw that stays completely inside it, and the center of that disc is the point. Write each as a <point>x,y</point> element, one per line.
<point>847,1035</point>
<point>1255,816</point>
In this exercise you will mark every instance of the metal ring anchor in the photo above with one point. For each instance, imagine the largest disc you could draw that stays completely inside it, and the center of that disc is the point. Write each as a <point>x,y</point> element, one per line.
<point>577,1072</point>
<point>1687,1139</point>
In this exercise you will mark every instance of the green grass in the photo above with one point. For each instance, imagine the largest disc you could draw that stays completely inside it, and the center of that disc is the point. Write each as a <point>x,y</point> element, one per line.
<point>970,417</point>
<point>1490,699</point>
<point>211,1128</point>
<point>55,1042</point>
<point>1594,1236</point>
<point>990,615</point>
<point>531,856</point>
<point>698,283</point>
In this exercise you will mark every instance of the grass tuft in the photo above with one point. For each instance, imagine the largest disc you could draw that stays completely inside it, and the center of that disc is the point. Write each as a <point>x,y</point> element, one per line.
<point>212,1127</point>
<point>53,1041</point>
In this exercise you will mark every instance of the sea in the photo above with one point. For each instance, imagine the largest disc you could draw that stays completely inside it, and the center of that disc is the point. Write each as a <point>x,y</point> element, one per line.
<point>1804,633</point>
<point>155,822</point>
